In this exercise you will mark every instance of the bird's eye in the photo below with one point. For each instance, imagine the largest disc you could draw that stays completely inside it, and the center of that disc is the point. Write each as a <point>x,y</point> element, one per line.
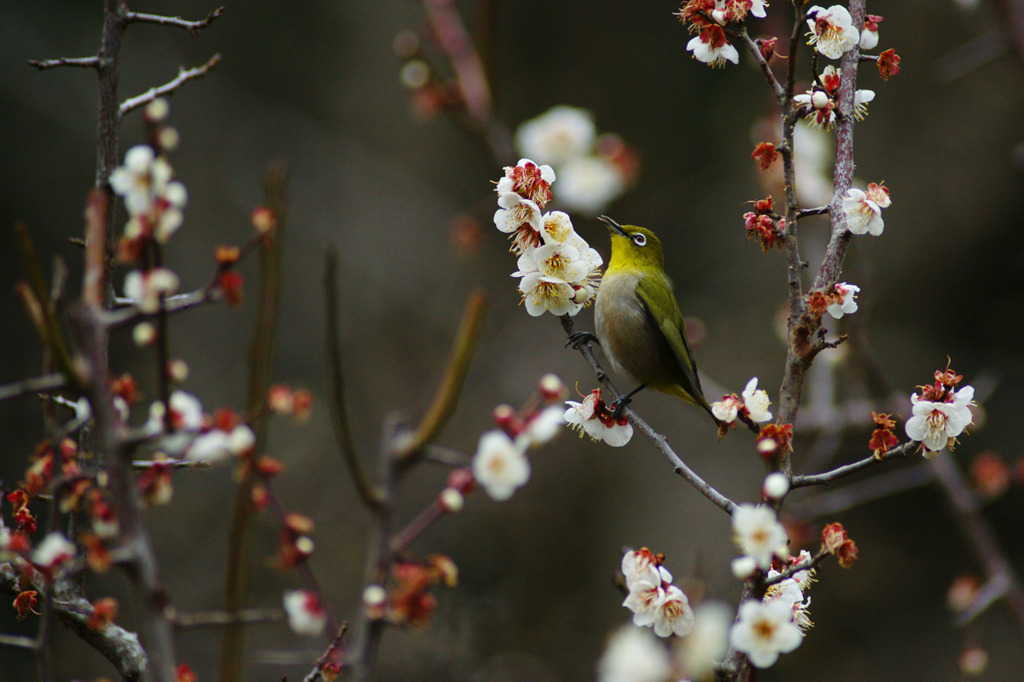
<point>640,239</point>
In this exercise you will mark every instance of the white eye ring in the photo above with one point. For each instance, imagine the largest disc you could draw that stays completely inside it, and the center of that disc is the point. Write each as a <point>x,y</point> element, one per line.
<point>640,239</point>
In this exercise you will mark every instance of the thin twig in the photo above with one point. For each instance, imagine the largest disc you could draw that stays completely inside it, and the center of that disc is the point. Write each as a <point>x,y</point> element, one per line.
<point>82,62</point>
<point>678,465</point>
<point>193,27</point>
<point>901,451</point>
<point>261,356</point>
<point>339,408</point>
<point>444,401</point>
<point>184,76</point>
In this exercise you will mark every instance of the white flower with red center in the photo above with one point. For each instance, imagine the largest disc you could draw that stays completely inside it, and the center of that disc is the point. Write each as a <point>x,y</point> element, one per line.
<point>141,179</point>
<point>757,8</point>
<point>559,261</point>
<point>863,209</point>
<point>727,409</point>
<point>758,533</point>
<point>519,217</point>
<point>645,593</point>
<point>756,401</point>
<point>711,47</point>
<point>937,424</point>
<point>558,135</point>
<point>634,655</point>
<point>844,300</point>
<point>543,294</point>
<point>765,630</point>
<point>672,615</point>
<point>790,593</point>
<point>54,550</point>
<point>587,184</point>
<point>832,30</point>
<point>637,563</point>
<point>500,465</point>
<point>869,36</point>
<point>542,427</point>
<point>146,289</point>
<point>529,180</point>
<point>306,615</point>
<point>593,418</point>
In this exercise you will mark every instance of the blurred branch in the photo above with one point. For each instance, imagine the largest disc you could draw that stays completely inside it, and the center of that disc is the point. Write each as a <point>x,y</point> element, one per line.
<point>444,401</point>
<point>339,408</point>
<point>261,355</point>
<point>183,77</point>
<point>214,619</point>
<point>81,62</point>
<point>987,547</point>
<point>48,382</point>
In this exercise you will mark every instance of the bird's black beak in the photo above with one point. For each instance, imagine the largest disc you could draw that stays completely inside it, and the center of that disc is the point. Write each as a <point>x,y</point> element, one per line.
<point>612,225</point>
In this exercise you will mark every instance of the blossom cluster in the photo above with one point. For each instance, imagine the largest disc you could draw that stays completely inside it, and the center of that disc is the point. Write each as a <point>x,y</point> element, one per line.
<point>653,599</point>
<point>774,625</point>
<point>752,404</point>
<point>818,104</point>
<point>558,270</point>
<point>759,535</point>
<point>708,19</point>
<point>593,170</point>
<point>763,224</point>
<point>594,418</point>
<point>500,464</point>
<point>940,413</point>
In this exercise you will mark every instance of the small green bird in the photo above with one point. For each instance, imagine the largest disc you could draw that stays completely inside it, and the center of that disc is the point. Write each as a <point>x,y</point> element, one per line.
<point>638,322</point>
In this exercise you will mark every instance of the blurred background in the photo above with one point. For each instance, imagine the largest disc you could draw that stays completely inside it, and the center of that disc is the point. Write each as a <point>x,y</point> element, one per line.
<point>390,185</point>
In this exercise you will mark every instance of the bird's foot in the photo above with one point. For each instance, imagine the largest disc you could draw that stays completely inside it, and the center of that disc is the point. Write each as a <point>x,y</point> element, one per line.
<point>619,406</point>
<point>576,339</point>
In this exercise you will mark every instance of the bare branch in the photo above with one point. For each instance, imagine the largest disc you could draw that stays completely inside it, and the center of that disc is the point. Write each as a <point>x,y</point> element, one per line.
<point>443,403</point>
<point>901,451</point>
<point>214,619</point>
<point>193,27</point>
<point>184,76</point>
<point>45,383</point>
<point>82,62</point>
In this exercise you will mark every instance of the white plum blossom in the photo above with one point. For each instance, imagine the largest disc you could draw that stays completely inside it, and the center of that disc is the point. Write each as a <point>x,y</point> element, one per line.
<point>543,294</point>
<point>861,99</point>
<point>559,271</point>
<point>756,401</point>
<point>765,630</point>
<point>645,594</point>
<point>146,289</point>
<point>554,137</point>
<point>500,465</point>
<point>936,424</point>
<point>832,30</point>
<point>869,36</point>
<point>591,417</point>
<point>673,615</point>
<point>306,615</point>
<point>589,183</point>
<point>757,8</point>
<point>141,179</point>
<point>863,209</point>
<point>708,641</point>
<point>54,550</point>
<point>790,591</point>
<point>543,427</point>
<point>633,655</point>
<point>637,564</point>
<point>758,533</point>
<point>217,446</point>
<point>845,300</point>
<point>516,211</point>
<point>711,47</point>
<point>727,409</point>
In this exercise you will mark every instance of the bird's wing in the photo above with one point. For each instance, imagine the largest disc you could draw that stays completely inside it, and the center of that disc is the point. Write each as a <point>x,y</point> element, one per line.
<point>673,328</point>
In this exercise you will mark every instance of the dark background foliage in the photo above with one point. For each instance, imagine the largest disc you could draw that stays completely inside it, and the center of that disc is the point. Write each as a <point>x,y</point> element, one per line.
<point>316,84</point>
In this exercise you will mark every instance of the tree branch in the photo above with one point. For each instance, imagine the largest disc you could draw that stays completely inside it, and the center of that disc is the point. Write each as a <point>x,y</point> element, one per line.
<point>169,88</point>
<point>193,27</point>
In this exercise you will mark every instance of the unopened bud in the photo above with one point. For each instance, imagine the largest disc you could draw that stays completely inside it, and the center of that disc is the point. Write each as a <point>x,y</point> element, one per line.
<point>552,388</point>
<point>775,486</point>
<point>451,500</point>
